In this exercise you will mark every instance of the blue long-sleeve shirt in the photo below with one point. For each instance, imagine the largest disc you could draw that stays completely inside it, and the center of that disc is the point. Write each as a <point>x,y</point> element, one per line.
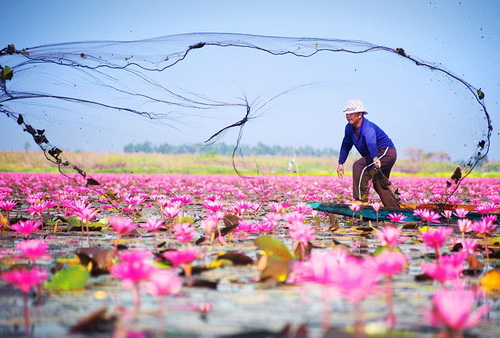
<point>370,138</point>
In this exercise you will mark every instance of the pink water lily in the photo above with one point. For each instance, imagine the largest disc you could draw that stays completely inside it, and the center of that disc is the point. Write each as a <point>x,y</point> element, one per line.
<point>436,238</point>
<point>26,227</point>
<point>133,269</point>
<point>390,236</point>
<point>469,245</point>
<point>184,232</point>
<point>428,215</point>
<point>446,267</point>
<point>485,227</point>
<point>486,208</point>
<point>453,309</point>
<point>461,213</point>
<point>122,226</point>
<point>391,263</point>
<point>7,206</point>
<point>33,248</point>
<point>183,257</point>
<point>163,282</point>
<point>153,224</point>
<point>25,278</point>
<point>396,217</point>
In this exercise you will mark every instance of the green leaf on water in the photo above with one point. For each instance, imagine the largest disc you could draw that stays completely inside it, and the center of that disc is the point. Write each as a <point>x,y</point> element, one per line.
<point>74,222</point>
<point>273,248</point>
<point>74,277</point>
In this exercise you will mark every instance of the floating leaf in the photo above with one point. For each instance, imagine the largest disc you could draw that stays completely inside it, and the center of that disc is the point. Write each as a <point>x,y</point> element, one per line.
<point>101,259</point>
<point>273,248</point>
<point>71,278</point>
<point>277,270</point>
<point>230,220</point>
<point>96,322</point>
<point>491,281</point>
<point>237,258</point>
<point>184,220</point>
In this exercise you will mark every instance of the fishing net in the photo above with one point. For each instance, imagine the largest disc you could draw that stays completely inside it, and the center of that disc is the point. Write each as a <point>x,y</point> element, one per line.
<point>202,87</point>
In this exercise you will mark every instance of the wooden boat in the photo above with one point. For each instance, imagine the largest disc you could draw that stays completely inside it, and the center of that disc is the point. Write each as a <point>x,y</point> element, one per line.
<point>368,213</point>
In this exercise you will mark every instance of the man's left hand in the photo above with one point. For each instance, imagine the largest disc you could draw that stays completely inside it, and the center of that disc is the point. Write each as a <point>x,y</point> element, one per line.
<point>376,162</point>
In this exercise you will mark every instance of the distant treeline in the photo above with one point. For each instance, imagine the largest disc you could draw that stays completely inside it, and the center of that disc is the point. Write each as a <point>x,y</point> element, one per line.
<point>224,149</point>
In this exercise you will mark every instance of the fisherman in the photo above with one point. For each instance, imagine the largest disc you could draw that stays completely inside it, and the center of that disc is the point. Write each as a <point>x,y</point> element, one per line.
<point>378,156</point>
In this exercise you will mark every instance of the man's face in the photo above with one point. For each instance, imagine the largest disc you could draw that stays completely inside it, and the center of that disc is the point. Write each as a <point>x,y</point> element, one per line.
<point>353,118</point>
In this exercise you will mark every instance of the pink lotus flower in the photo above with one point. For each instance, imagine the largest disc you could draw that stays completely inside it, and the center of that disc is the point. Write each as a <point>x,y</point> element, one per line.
<point>133,267</point>
<point>294,217</point>
<point>7,205</point>
<point>184,232</point>
<point>26,227</point>
<point>357,278</point>
<point>163,282</point>
<point>182,256</point>
<point>461,213</point>
<point>321,267</point>
<point>436,238</point>
<point>469,245</point>
<point>376,206</point>
<point>277,207</point>
<point>213,206</point>
<point>86,214</point>
<point>453,309</point>
<point>464,225</point>
<point>483,226</point>
<point>25,279</point>
<point>170,212</point>
<point>396,218</point>
<point>486,208</point>
<point>302,207</point>
<point>390,236</point>
<point>302,233</point>
<point>152,224</point>
<point>241,207</point>
<point>183,199</point>
<point>132,270</point>
<point>247,227</point>
<point>353,278</point>
<point>391,263</point>
<point>122,225</point>
<point>446,268</point>
<point>427,215</point>
<point>447,214</point>
<point>210,223</point>
<point>273,217</point>
<point>354,207</point>
<point>265,226</point>
<point>33,249</point>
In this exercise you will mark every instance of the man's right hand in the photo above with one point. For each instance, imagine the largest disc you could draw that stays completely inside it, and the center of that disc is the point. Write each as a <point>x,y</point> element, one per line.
<point>340,170</point>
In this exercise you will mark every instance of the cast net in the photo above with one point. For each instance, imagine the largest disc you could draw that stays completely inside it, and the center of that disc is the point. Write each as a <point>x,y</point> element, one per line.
<point>202,87</point>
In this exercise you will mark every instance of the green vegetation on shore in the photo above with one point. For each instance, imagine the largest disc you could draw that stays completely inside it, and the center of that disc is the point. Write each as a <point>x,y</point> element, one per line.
<point>35,161</point>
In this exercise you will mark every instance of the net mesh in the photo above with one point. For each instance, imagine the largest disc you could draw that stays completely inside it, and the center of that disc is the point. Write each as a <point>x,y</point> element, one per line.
<point>220,82</point>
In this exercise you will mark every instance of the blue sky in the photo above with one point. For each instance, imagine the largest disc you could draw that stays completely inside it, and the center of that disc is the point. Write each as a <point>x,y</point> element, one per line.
<point>462,36</point>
